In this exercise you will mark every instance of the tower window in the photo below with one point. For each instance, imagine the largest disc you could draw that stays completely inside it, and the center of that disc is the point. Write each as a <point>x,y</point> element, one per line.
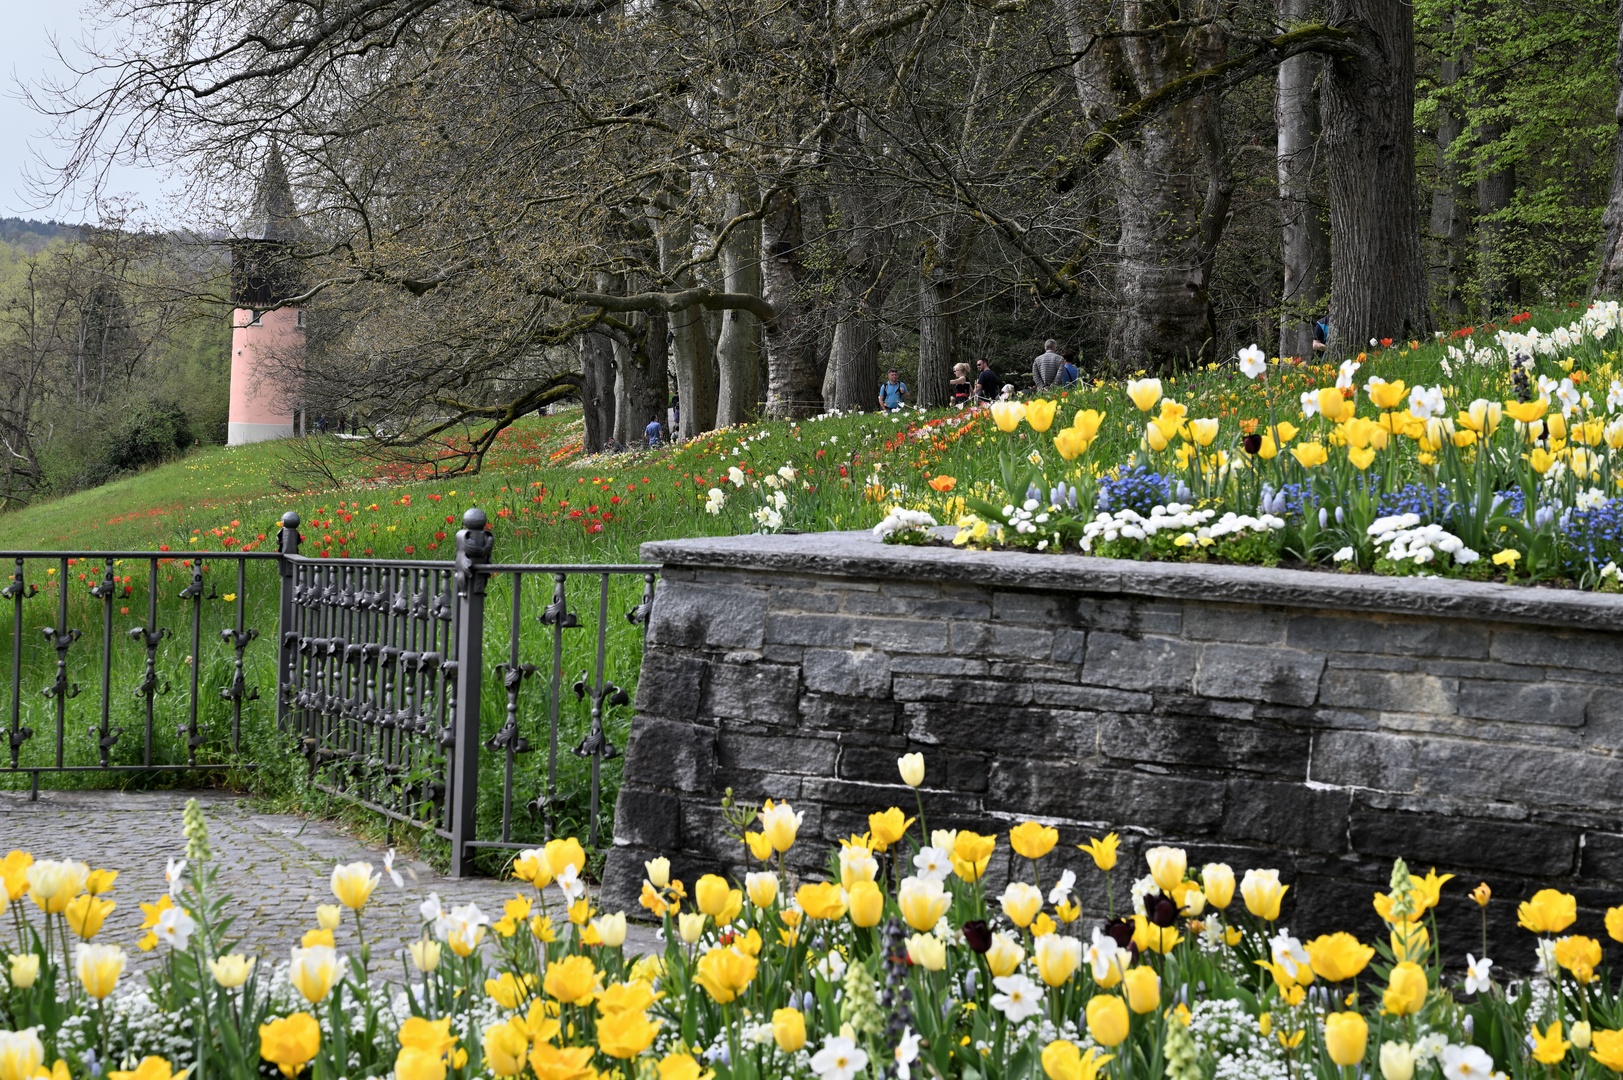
<point>301,319</point>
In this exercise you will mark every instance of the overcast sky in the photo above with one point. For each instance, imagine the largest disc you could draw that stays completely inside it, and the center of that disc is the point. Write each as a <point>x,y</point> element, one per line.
<point>26,56</point>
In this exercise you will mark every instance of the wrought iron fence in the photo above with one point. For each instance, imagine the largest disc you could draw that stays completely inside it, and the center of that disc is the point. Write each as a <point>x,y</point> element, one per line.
<point>380,673</point>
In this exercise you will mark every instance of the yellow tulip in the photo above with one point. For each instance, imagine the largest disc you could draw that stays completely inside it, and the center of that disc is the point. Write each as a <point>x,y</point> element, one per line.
<point>1548,912</point>
<point>1149,937</point>
<point>1338,957</point>
<point>682,1067</point>
<point>1144,393</point>
<point>1103,851</point>
<point>1346,1035</point>
<point>789,1029</point>
<point>1614,923</point>
<point>507,991</point>
<point>911,766</point>
<point>290,1043</point>
<point>1309,454</point>
<point>353,883</point>
<point>724,973</point>
<point>927,951</point>
<point>425,954</point>
<point>1004,955</point>
<point>1608,1049</point>
<point>1410,941</point>
<point>611,929</point>
<point>1577,951</point>
<point>1040,414</point>
<point>313,971</point>
<point>1218,881</point>
<point>1462,439</point>
<point>1007,414</point>
<point>507,1046</point>
<point>152,1067</point>
<point>1021,902</point>
<point>21,1054</point>
<point>1154,437</point>
<point>1086,423</point>
<point>624,1035</point>
<point>1361,459</point>
<point>98,968</point>
<point>1549,1047</point>
<point>573,980</point>
<point>231,971</point>
<point>567,1063</point>
<point>690,926</point>
<point>1167,427</point>
<point>1071,443</point>
<point>530,865</point>
<point>759,845</point>
<point>1168,865</point>
<point>101,881</point>
<point>52,885</point>
<point>563,852</point>
<point>86,914</point>
<point>14,873</point>
<point>780,824</point>
<point>1063,1060</point>
<point>414,1064</point>
<point>1203,431</point>
<point>1556,425</point>
<point>1031,840</point>
<point>1143,989</point>
<point>923,903</point>
<point>1387,395</point>
<point>1107,1019</point>
<point>315,937</point>
<point>1262,893</point>
<point>23,969</point>
<point>762,888</point>
<point>971,852</point>
<point>1332,405</point>
<point>1482,417</point>
<point>710,894</point>
<point>887,828</point>
<point>659,872</point>
<point>1406,989</point>
<point>867,904</point>
<point>1525,412</point>
<point>822,900</point>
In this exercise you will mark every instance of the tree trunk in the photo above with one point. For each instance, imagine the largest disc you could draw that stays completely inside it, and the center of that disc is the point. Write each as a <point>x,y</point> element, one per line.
<point>640,385</point>
<point>691,353</point>
<point>794,387</point>
<point>597,389</point>
<point>938,333</point>
<point>1609,274</point>
<point>1377,281</point>
<point>1166,235</point>
<point>1495,188</point>
<point>1449,201</point>
<point>1304,242</point>
<point>737,343</point>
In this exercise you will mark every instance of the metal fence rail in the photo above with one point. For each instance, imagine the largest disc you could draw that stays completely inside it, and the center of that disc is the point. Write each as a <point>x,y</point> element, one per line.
<point>379,675</point>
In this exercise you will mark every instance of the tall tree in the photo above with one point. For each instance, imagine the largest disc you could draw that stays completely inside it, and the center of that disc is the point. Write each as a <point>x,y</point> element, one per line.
<point>1304,240</point>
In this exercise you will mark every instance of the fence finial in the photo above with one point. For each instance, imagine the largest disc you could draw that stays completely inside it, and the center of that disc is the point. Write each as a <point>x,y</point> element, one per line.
<point>287,537</point>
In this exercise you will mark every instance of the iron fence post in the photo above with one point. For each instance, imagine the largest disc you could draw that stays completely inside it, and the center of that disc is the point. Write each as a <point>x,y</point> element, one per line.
<point>287,542</point>
<point>473,547</point>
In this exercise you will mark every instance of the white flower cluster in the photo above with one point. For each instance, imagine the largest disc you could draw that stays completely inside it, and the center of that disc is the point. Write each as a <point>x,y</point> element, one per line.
<point>901,521</point>
<point>1404,537</point>
<point>1197,525</point>
<point>1222,1028</point>
<point>1025,518</point>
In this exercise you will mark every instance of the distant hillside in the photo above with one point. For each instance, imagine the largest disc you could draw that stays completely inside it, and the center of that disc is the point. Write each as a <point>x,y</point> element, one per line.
<point>32,235</point>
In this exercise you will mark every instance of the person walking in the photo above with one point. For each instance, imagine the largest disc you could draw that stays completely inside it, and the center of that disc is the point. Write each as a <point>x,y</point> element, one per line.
<point>1046,369</point>
<point>655,433</point>
<point>893,393</point>
<point>960,384</point>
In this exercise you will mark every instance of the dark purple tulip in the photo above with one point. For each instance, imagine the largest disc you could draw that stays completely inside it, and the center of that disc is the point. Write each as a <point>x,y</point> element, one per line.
<point>978,935</point>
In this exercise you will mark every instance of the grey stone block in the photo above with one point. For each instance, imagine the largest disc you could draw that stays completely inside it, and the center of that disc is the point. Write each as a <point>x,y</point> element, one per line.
<point>1038,675</point>
<point>847,672</point>
<point>828,713</point>
<point>937,665</point>
<point>943,770</point>
<point>698,616</point>
<point>1069,646</point>
<point>761,693</point>
<point>670,684</point>
<point>1551,703</point>
<point>1044,609</point>
<point>1389,691</point>
<point>961,725</point>
<point>1591,652</point>
<point>1230,623</point>
<point>1425,839</point>
<point>1206,743</point>
<point>666,754</point>
<point>1289,815</point>
<point>977,691</point>
<point>1116,798</point>
<point>1365,759</point>
<point>1259,673</point>
<point>843,632</point>
<point>1137,616</point>
<point>1091,698</point>
<point>1603,728</point>
<point>787,753</point>
<point>1152,663</point>
<point>1520,774</point>
<point>648,819</point>
<point>819,601</point>
<point>858,603</point>
<point>991,640</point>
<point>1601,858</point>
<point>1336,635</point>
<point>1441,638</point>
<point>1491,730</point>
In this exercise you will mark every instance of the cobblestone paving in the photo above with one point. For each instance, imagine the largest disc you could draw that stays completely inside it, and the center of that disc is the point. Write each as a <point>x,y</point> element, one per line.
<point>276,865</point>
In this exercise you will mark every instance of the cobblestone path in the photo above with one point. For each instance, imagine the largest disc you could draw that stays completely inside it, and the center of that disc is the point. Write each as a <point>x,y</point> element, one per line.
<point>278,866</point>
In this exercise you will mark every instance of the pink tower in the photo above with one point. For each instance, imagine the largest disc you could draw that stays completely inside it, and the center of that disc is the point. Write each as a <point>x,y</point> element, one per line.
<point>265,330</point>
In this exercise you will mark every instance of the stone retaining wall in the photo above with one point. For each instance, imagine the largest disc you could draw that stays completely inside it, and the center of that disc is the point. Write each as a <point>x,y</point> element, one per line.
<point>1316,722</point>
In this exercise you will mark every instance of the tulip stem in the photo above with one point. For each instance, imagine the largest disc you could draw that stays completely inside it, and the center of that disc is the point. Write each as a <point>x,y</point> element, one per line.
<point>924,829</point>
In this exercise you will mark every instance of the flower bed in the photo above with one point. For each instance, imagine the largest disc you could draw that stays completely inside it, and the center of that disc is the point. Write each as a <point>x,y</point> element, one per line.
<point>899,964</point>
<point>1504,468</point>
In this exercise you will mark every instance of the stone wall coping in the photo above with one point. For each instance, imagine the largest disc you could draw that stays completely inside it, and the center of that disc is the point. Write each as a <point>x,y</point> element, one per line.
<point>862,555</point>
